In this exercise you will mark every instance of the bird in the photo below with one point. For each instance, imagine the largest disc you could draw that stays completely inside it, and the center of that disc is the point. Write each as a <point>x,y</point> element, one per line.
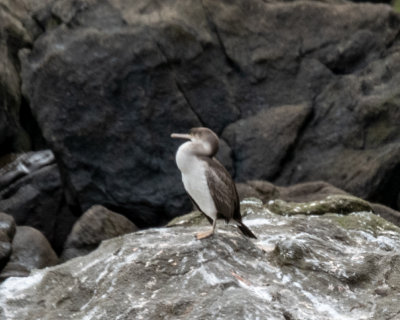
<point>207,182</point>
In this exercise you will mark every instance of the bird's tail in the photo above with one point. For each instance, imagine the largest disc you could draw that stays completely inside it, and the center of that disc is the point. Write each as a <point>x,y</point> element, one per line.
<point>246,231</point>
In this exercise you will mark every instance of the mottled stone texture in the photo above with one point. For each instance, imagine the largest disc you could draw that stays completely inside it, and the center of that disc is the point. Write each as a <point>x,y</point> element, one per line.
<point>307,268</point>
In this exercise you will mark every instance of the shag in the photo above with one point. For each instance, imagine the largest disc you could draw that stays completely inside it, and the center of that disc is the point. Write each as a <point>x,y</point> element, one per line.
<point>207,182</point>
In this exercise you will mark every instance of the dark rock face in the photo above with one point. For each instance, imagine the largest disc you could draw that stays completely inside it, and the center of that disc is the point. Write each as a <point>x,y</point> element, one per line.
<point>30,250</point>
<point>13,37</point>
<point>260,142</point>
<point>95,225</point>
<point>31,191</point>
<point>107,154</point>
<point>299,90</point>
<point>306,268</point>
<point>361,147</point>
<point>7,231</point>
<point>18,28</point>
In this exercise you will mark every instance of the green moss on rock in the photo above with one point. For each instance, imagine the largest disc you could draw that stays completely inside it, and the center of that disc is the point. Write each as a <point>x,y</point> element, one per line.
<point>194,218</point>
<point>342,204</point>
<point>366,221</point>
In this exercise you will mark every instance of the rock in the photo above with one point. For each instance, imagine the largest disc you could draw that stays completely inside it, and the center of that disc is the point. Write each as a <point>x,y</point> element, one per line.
<point>354,119</point>
<point>337,204</point>
<point>7,231</point>
<point>316,191</point>
<point>95,225</point>
<point>340,204</point>
<point>370,222</point>
<point>126,183</point>
<point>188,65</point>
<point>13,37</point>
<point>30,14</point>
<point>24,165</point>
<point>18,28</point>
<point>30,250</point>
<point>387,213</point>
<point>7,159</point>
<point>301,192</point>
<point>357,128</point>
<point>166,273</point>
<point>194,218</point>
<point>31,191</point>
<point>259,152</point>
<point>307,191</point>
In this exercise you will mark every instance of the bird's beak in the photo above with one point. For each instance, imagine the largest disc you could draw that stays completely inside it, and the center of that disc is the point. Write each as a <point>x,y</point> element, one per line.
<point>181,136</point>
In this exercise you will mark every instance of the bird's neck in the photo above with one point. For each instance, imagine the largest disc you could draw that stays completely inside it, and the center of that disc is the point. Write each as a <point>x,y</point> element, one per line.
<point>189,153</point>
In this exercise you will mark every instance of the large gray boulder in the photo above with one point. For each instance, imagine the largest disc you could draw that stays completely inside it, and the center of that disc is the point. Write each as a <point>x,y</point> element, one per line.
<point>305,268</point>
<point>94,226</point>
<point>30,250</point>
<point>112,79</point>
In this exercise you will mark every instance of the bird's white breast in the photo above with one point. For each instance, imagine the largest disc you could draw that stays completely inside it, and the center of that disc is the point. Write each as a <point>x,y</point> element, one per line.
<point>194,179</point>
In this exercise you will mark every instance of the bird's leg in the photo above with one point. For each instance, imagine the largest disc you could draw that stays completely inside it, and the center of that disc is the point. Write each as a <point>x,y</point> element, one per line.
<point>206,234</point>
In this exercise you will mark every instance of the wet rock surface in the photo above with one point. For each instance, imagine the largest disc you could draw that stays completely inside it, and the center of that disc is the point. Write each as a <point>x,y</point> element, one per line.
<point>31,191</point>
<point>30,250</point>
<point>95,225</point>
<point>301,267</point>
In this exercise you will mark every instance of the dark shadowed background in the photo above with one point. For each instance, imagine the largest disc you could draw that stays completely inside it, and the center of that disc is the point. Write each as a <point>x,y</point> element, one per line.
<point>298,91</point>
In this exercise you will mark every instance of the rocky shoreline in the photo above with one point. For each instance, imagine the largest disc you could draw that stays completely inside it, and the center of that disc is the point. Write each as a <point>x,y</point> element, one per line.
<point>305,98</point>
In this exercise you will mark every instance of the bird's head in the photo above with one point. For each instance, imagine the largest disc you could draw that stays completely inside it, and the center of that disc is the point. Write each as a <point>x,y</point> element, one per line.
<point>204,140</point>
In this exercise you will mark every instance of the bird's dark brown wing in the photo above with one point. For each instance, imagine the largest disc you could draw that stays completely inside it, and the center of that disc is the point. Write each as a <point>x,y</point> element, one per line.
<point>223,190</point>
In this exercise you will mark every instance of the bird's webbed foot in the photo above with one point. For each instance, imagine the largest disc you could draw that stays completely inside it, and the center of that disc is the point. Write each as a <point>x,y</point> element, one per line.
<point>204,235</point>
